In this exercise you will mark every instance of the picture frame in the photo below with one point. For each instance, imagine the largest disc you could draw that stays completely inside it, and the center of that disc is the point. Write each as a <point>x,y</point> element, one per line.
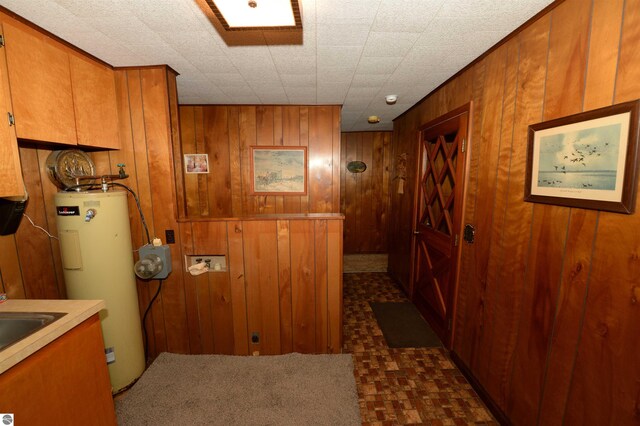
<point>196,163</point>
<point>278,170</point>
<point>587,160</point>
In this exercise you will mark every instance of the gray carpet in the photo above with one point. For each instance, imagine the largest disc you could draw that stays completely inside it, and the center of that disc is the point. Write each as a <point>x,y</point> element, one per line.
<point>291,389</point>
<point>402,325</point>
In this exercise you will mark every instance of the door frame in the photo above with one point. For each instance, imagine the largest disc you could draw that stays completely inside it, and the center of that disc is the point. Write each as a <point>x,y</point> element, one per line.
<point>466,108</point>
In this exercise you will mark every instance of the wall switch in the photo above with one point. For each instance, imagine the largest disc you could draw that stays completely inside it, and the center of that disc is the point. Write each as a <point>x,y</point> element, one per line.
<point>170,236</point>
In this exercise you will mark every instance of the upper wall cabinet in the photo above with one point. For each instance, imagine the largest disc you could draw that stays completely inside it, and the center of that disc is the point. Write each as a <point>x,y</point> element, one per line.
<point>59,95</point>
<point>40,81</point>
<point>10,171</point>
<point>94,102</point>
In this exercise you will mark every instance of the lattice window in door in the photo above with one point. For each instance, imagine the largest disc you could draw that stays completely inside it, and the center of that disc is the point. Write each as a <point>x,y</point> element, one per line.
<point>439,162</point>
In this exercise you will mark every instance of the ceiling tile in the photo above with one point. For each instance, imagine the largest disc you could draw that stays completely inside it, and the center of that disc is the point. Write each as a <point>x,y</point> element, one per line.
<point>224,79</point>
<point>389,44</point>
<point>378,65</point>
<point>405,15</point>
<point>298,80</point>
<point>295,64</point>
<point>335,75</point>
<point>342,34</point>
<point>369,80</point>
<point>346,11</point>
<point>338,57</point>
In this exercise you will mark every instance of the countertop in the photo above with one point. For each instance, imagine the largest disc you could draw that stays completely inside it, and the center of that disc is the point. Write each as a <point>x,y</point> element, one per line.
<point>77,311</point>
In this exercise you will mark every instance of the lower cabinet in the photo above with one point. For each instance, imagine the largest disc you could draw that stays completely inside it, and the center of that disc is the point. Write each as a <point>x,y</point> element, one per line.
<point>66,382</point>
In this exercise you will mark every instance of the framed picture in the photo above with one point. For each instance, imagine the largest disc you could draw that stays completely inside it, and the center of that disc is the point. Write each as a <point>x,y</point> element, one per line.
<point>278,170</point>
<point>196,163</point>
<point>587,160</point>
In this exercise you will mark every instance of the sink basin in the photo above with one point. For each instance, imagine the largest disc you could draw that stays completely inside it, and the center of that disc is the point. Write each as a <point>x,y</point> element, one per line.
<point>15,326</point>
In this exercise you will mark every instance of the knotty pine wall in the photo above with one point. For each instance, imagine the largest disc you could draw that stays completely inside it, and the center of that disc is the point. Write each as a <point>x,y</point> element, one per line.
<point>364,197</point>
<point>226,134</point>
<point>547,315</point>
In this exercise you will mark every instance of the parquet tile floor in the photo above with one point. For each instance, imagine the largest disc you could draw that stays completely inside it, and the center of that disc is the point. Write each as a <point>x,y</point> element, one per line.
<point>401,386</point>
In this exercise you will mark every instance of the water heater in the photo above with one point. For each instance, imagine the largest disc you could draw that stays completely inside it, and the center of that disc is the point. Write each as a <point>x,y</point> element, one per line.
<point>97,258</point>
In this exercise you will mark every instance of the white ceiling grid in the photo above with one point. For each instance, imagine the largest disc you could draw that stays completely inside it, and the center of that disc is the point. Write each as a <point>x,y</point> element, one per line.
<point>354,52</point>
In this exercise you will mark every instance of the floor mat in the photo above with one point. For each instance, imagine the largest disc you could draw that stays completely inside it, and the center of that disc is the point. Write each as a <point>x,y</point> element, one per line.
<point>403,326</point>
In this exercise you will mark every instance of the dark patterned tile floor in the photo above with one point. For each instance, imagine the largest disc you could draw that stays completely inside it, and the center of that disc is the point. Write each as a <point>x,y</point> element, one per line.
<point>401,386</point>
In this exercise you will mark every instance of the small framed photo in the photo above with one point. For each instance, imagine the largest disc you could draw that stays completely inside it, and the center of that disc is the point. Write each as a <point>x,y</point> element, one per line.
<point>278,170</point>
<point>196,163</point>
<point>586,160</point>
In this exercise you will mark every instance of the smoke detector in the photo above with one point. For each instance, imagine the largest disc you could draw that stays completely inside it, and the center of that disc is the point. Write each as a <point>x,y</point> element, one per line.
<point>391,99</point>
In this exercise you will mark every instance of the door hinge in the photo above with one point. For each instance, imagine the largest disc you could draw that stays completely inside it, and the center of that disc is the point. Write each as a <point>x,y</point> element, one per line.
<point>455,241</point>
<point>1,40</point>
<point>464,144</point>
<point>12,120</point>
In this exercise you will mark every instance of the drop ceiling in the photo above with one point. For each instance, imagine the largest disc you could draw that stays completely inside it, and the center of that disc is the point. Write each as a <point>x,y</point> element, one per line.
<point>354,52</point>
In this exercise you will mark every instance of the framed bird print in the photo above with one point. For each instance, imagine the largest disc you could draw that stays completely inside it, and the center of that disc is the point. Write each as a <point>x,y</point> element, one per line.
<point>587,160</point>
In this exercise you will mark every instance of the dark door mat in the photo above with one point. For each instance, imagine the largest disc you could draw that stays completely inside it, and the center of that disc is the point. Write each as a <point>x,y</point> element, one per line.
<point>403,326</point>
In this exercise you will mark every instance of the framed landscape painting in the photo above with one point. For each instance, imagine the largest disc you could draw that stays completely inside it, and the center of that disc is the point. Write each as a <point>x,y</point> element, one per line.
<point>587,160</point>
<point>278,170</point>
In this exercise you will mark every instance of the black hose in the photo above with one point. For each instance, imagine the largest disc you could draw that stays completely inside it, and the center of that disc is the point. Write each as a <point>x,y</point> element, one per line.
<point>144,321</point>
<point>135,197</point>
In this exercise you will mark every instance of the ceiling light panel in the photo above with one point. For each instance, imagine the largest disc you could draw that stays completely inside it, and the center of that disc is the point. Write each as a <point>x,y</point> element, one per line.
<point>257,14</point>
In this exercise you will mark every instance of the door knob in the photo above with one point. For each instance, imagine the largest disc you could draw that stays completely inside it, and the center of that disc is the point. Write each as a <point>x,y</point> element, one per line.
<point>416,232</point>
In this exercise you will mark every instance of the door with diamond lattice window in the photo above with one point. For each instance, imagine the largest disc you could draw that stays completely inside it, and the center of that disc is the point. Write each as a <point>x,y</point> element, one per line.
<point>438,218</point>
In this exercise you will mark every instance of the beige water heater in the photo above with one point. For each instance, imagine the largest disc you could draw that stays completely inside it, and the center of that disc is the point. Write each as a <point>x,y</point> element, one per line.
<point>97,258</point>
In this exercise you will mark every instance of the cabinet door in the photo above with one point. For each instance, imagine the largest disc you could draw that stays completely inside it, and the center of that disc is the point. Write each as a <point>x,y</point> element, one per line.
<point>94,100</point>
<point>64,383</point>
<point>40,82</point>
<point>10,171</point>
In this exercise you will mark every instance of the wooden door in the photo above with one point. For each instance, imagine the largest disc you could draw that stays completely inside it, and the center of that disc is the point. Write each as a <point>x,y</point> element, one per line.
<point>438,218</point>
<point>40,81</point>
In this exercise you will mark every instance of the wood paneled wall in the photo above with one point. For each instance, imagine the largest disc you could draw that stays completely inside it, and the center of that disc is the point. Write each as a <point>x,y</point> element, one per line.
<point>284,279</point>
<point>547,317</point>
<point>364,196</point>
<point>283,283</point>
<point>226,134</point>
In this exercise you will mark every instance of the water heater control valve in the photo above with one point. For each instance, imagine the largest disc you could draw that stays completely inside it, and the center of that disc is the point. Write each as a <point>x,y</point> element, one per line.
<point>91,213</point>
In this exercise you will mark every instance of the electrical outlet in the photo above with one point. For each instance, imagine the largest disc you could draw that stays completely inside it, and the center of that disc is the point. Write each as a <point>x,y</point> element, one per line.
<point>170,236</point>
<point>255,337</point>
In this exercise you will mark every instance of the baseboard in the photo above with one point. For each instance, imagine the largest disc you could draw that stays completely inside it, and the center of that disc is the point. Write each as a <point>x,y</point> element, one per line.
<point>500,416</point>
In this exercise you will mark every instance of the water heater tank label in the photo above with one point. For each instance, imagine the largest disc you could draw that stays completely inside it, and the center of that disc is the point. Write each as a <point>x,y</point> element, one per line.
<point>68,210</point>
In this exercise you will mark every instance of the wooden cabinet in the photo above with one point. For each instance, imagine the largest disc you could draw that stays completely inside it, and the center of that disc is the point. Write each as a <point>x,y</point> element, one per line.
<point>94,102</point>
<point>59,95</point>
<point>40,80</point>
<point>10,173</point>
<point>66,382</point>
